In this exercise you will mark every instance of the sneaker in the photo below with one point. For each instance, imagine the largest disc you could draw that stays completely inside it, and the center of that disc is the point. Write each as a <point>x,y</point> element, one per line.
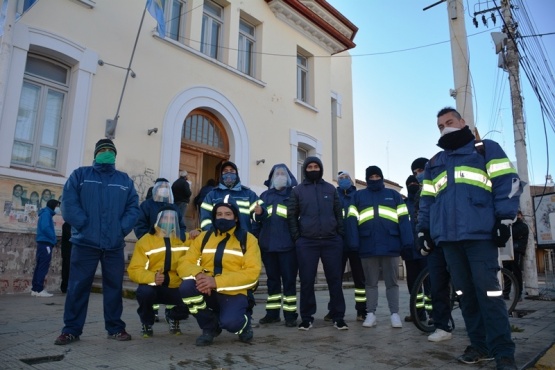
<point>269,320</point>
<point>396,321</point>
<point>327,317</point>
<point>66,338</point>
<point>290,323</point>
<point>146,331</point>
<point>207,337</point>
<point>174,326</point>
<point>121,336</point>
<point>505,363</point>
<point>370,320</point>
<point>340,325</point>
<point>43,293</point>
<point>439,335</point>
<point>305,325</point>
<point>33,293</point>
<point>472,356</point>
<point>246,334</point>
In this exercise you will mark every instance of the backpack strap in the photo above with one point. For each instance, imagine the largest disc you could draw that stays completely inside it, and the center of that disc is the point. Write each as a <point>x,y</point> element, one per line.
<point>205,239</point>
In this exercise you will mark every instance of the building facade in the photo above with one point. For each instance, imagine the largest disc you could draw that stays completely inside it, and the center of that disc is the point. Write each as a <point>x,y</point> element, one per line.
<point>256,82</point>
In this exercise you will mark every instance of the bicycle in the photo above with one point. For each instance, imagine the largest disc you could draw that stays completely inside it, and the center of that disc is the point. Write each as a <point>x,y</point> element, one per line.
<point>420,298</point>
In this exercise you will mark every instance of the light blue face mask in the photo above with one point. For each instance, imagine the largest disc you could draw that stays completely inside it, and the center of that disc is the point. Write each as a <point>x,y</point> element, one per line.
<point>107,157</point>
<point>420,177</point>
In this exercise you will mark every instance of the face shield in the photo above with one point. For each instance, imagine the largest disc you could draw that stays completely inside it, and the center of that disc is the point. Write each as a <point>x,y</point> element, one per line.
<point>162,192</point>
<point>167,224</point>
<point>280,178</point>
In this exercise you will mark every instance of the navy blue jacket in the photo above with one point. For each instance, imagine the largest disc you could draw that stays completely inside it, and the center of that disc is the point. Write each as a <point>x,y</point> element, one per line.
<point>413,253</point>
<point>45,227</point>
<point>346,198</point>
<point>149,214</point>
<point>101,205</point>
<point>380,223</point>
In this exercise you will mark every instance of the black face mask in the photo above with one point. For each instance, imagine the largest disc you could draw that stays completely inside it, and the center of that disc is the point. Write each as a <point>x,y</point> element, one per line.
<point>313,175</point>
<point>223,225</point>
<point>413,189</point>
<point>456,140</point>
<point>375,185</point>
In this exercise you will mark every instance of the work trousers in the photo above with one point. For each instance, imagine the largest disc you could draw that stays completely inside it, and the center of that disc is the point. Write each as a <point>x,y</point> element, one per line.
<point>43,257</point>
<point>281,268</point>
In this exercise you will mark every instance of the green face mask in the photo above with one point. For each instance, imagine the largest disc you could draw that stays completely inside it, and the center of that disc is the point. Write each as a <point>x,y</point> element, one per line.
<point>107,157</point>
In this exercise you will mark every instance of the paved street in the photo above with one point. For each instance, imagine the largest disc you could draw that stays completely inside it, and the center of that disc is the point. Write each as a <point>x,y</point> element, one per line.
<point>29,326</point>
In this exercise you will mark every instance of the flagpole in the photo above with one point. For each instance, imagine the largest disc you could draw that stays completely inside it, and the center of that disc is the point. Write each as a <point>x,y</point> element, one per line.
<point>110,131</point>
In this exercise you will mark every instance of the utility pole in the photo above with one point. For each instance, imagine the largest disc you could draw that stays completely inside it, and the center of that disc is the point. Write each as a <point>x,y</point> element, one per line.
<point>512,67</point>
<point>6,48</point>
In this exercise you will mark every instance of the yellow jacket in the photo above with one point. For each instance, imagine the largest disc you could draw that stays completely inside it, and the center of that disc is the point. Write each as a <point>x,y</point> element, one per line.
<point>149,257</point>
<point>240,271</point>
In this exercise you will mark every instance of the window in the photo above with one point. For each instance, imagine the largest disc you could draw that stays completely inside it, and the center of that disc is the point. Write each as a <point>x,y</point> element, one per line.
<point>212,20</point>
<point>302,154</point>
<point>40,114</point>
<point>302,78</point>
<point>175,12</point>
<point>201,127</point>
<point>246,48</point>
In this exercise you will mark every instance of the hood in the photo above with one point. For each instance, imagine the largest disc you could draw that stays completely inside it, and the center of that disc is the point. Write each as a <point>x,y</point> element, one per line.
<point>291,183</point>
<point>309,160</point>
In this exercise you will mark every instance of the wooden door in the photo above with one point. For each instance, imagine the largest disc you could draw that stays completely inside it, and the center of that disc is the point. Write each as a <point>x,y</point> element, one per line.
<point>191,161</point>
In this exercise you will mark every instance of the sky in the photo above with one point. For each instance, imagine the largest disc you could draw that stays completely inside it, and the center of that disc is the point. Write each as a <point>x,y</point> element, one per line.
<point>398,92</point>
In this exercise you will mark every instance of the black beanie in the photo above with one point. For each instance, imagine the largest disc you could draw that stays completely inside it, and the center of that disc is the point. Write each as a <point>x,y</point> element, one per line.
<point>410,180</point>
<point>52,204</point>
<point>373,170</point>
<point>418,163</point>
<point>104,144</point>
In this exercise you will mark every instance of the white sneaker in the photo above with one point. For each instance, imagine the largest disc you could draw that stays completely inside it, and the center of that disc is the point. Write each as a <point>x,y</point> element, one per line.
<point>396,321</point>
<point>370,320</point>
<point>33,293</point>
<point>439,335</point>
<point>43,293</point>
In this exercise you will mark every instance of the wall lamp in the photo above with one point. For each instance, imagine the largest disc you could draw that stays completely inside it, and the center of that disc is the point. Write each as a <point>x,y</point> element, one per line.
<point>260,161</point>
<point>152,130</point>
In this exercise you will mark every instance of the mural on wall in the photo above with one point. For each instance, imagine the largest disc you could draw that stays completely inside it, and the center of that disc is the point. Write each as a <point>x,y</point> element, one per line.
<point>21,201</point>
<point>544,206</point>
<point>143,182</point>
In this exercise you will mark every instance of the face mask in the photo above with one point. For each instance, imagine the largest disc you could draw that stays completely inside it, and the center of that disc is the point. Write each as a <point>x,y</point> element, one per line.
<point>413,189</point>
<point>223,225</point>
<point>164,192</point>
<point>344,183</point>
<point>229,179</point>
<point>280,182</point>
<point>375,185</point>
<point>313,175</point>
<point>57,210</point>
<point>448,130</point>
<point>107,157</point>
<point>420,177</point>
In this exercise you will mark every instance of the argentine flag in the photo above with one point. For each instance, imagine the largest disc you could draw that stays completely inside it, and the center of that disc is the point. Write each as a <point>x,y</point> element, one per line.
<point>156,9</point>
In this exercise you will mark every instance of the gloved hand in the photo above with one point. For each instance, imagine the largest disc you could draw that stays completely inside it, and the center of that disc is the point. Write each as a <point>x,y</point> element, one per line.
<point>501,232</point>
<point>425,242</point>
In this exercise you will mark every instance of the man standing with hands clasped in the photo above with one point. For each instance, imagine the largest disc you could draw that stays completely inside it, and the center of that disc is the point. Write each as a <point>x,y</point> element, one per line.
<point>470,196</point>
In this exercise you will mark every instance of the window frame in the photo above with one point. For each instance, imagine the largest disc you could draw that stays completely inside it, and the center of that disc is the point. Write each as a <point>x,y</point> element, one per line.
<point>171,19</point>
<point>208,21</point>
<point>303,84</point>
<point>242,53</point>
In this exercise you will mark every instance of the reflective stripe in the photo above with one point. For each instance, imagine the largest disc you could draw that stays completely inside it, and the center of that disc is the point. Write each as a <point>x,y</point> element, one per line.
<point>226,251</point>
<point>365,215</point>
<point>275,297</point>
<point>195,303</point>
<point>428,189</point>
<point>205,223</point>
<point>498,167</point>
<point>440,182</point>
<point>273,306</point>
<point>353,212</point>
<point>402,210</point>
<point>494,293</point>
<point>246,322</point>
<point>388,213</point>
<point>281,210</point>
<point>238,287</point>
<point>472,176</point>
<point>207,206</point>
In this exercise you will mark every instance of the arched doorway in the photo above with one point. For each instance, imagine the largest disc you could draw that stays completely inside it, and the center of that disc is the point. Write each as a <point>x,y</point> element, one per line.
<point>204,145</point>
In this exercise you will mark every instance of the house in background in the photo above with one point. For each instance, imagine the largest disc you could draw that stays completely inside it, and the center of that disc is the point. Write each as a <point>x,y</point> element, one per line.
<point>254,82</point>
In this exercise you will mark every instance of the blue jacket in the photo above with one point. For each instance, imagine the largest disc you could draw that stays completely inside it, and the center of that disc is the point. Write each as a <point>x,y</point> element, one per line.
<point>274,229</point>
<point>346,198</point>
<point>244,197</point>
<point>413,253</point>
<point>45,227</point>
<point>464,192</point>
<point>101,205</point>
<point>149,214</point>
<point>379,222</point>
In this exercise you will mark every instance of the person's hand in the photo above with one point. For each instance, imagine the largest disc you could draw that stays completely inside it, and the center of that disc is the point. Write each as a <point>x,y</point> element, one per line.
<point>501,232</point>
<point>425,242</point>
<point>158,278</point>
<point>257,209</point>
<point>194,233</point>
<point>205,283</point>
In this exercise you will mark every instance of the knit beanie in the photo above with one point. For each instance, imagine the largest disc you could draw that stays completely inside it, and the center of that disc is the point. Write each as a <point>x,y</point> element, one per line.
<point>418,163</point>
<point>344,173</point>
<point>373,170</point>
<point>104,144</point>
<point>52,204</point>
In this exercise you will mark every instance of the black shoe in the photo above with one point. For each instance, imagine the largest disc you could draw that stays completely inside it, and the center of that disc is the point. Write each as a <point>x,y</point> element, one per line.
<point>506,363</point>
<point>246,334</point>
<point>340,325</point>
<point>290,323</point>
<point>408,318</point>
<point>121,336</point>
<point>269,320</point>
<point>146,331</point>
<point>472,356</point>
<point>328,317</point>
<point>305,325</point>
<point>66,338</point>
<point>174,326</point>
<point>207,337</point>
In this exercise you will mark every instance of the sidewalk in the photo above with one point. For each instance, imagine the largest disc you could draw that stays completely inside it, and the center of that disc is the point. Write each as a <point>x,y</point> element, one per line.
<point>29,326</point>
